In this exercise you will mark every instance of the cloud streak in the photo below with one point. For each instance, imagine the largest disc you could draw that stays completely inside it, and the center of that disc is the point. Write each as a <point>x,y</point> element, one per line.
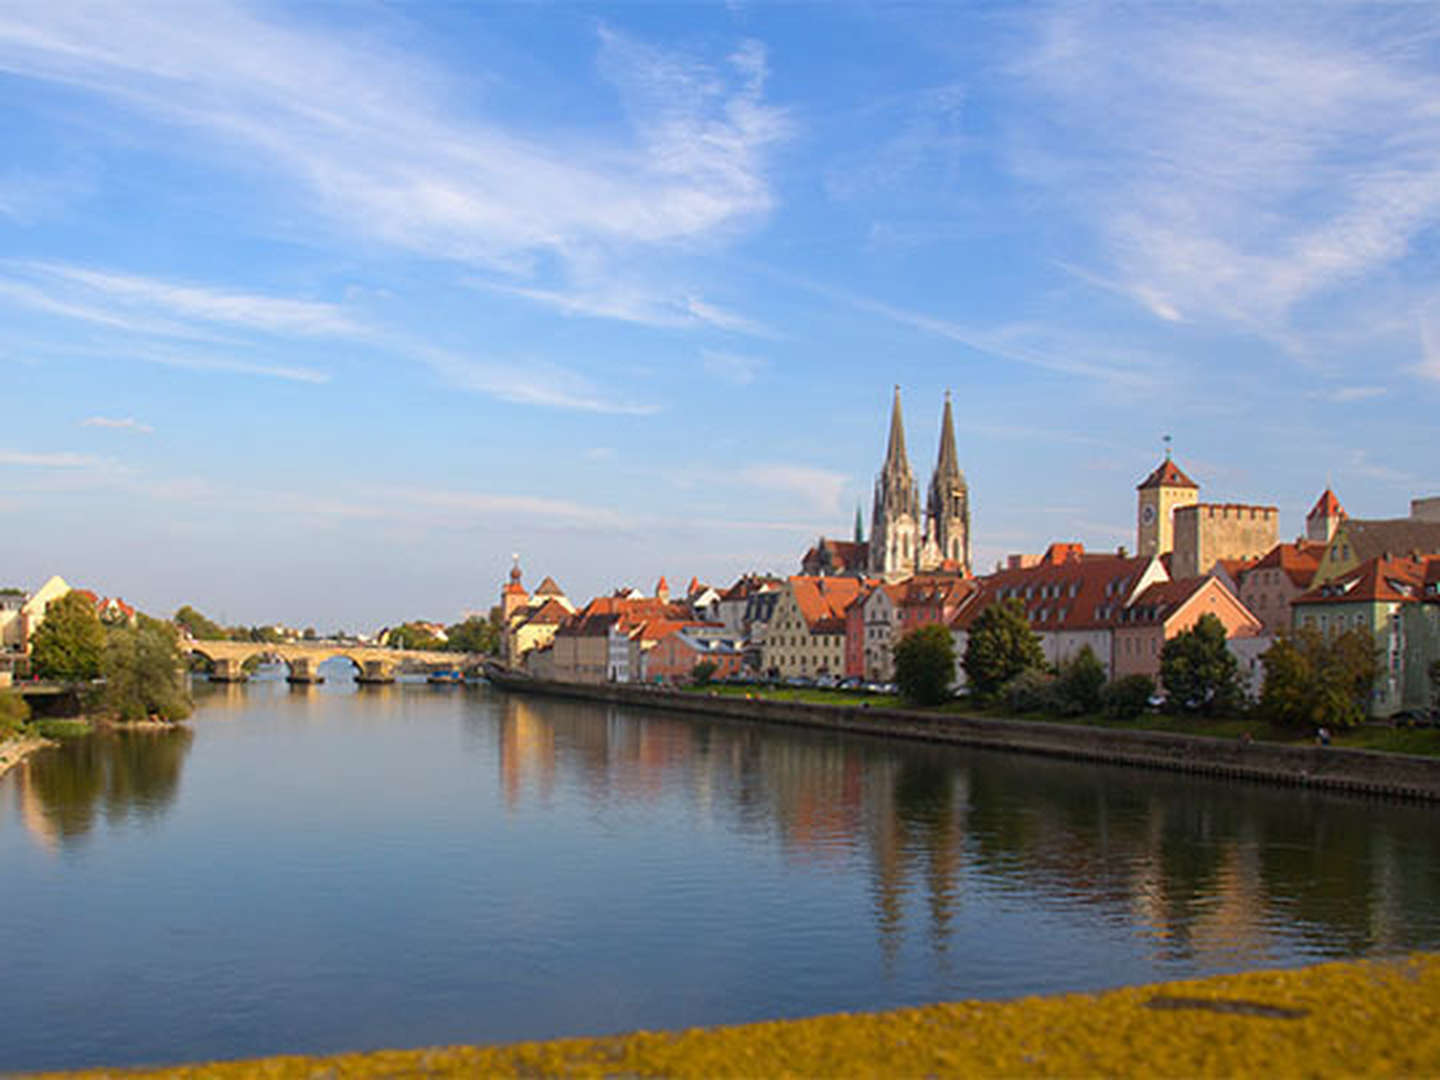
<point>126,423</point>
<point>1236,163</point>
<point>383,150</point>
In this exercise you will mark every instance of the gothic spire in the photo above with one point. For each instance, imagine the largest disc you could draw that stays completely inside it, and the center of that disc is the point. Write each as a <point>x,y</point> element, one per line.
<point>947,465</point>
<point>895,449</point>
<point>859,526</point>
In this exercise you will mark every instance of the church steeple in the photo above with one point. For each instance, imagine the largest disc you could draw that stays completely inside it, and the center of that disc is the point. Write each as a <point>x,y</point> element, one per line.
<point>895,449</point>
<point>947,509</point>
<point>948,462</point>
<point>895,518</point>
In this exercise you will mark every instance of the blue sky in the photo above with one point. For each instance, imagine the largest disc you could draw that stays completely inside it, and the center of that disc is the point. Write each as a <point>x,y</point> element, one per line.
<point>317,312</point>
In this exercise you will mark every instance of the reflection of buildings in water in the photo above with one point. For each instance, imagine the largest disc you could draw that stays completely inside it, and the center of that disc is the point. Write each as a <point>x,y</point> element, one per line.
<point>32,813</point>
<point>818,793</point>
<point>917,818</point>
<point>527,750</point>
<point>1232,930</point>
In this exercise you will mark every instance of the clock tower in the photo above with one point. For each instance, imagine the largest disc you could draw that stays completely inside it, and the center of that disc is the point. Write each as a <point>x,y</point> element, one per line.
<point>1159,495</point>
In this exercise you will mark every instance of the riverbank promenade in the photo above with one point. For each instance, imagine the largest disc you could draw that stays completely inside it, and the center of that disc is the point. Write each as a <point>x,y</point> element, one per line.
<point>1359,1018</point>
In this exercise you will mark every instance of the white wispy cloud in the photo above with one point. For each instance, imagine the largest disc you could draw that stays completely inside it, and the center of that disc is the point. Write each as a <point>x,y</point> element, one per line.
<point>118,423</point>
<point>639,304</point>
<point>1033,345</point>
<point>383,147</point>
<point>485,505</point>
<point>1236,162</point>
<point>250,311</point>
<point>732,367</point>
<point>192,361</point>
<point>1346,395</point>
<point>820,489</point>
<point>535,382</point>
<point>50,460</point>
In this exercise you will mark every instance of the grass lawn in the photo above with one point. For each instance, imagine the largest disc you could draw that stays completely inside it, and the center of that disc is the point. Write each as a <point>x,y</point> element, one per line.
<point>1422,741</point>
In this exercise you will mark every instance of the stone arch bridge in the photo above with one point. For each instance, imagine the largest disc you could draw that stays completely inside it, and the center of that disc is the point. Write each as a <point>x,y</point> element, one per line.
<point>372,665</point>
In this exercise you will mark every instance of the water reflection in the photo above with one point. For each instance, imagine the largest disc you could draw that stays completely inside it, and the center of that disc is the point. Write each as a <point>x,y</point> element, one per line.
<point>122,776</point>
<point>1209,872</point>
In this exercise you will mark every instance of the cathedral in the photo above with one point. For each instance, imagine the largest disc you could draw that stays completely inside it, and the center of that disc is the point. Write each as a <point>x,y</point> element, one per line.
<point>902,541</point>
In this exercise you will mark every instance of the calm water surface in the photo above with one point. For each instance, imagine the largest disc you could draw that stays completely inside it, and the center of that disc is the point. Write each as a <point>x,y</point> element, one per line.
<point>328,869</point>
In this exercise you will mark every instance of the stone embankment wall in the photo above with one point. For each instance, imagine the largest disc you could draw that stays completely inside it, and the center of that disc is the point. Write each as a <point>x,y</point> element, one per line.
<point>1323,767</point>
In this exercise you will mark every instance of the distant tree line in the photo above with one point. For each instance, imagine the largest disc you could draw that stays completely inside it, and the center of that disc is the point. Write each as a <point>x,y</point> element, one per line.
<point>476,634</point>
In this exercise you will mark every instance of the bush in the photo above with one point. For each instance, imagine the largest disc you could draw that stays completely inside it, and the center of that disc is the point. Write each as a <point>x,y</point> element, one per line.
<point>1081,681</point>
<point>1033,690</point>
<point>13,713</point>
<point>703,672</point>
<point>1128,697</point>
<point>62,729</point>
<point>925,664</point>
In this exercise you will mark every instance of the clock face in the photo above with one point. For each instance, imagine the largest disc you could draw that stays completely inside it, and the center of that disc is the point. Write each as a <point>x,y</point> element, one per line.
<point>1148,515</point>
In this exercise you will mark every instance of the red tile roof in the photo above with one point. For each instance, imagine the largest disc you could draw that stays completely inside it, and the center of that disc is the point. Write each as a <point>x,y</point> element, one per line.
<point>1166,474</point>
<point>839,556</point>
<point>1158,602</point>
<point>1326,506</point>
<point>823,600</point>
<point>550,613</point>
<point>549,588</point>
<point>1299,560</point>
<point>1083,593</point>
<point>1378,580</point>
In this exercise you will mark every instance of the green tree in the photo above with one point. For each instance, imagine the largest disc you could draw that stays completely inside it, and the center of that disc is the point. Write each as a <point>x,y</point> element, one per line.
<point>13,713</point>
<point>68,645</point>
<point>925,664</point>
<point>1128,697</point>
<point>703,672</point>
<point>143,672</point>
<point>1001,646</point>
<point>1081,682</point>
<point>1199,673</point>
<point>198,626</point>
<point>410,636</point>
<point>474,635</point>
<point>1312,680</point>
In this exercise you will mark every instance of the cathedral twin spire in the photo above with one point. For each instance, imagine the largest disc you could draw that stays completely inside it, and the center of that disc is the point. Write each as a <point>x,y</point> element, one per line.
<point>899,544</point>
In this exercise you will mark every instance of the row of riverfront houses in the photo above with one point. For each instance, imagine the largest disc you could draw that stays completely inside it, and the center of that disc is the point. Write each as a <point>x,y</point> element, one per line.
<point>837,619</point>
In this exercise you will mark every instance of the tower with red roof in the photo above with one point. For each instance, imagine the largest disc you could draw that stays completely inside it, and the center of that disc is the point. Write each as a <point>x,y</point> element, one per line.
<point>1160,494</point>
<point>1324,517</point>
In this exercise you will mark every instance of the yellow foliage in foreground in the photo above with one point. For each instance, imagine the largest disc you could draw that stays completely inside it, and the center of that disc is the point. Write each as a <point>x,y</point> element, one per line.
<point>1366,1018</point>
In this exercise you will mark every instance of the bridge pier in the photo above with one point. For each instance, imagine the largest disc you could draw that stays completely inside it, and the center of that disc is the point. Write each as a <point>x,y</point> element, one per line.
<point>304,671</point>
<point>375,673</point>
<point>228,671</point>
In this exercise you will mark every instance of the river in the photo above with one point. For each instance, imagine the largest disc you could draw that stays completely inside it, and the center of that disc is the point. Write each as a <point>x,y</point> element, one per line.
<point>336,868</point>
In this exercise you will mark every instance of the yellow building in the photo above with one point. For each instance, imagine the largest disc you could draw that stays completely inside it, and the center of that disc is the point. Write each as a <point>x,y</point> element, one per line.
<point>806,635</point>
<point>530,620</point>
<point>1205,533</point>
<point>1356,542</point>
<point>1160,494</point>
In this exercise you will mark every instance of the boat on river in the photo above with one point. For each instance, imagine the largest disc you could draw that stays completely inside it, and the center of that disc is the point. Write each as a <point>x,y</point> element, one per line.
<point>446,677</point>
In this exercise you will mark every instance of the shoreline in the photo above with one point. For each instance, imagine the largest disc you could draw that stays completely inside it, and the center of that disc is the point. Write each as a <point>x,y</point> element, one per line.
<point>15,751</point>
<point>1346,1018</point>
<point>1368,772</point>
